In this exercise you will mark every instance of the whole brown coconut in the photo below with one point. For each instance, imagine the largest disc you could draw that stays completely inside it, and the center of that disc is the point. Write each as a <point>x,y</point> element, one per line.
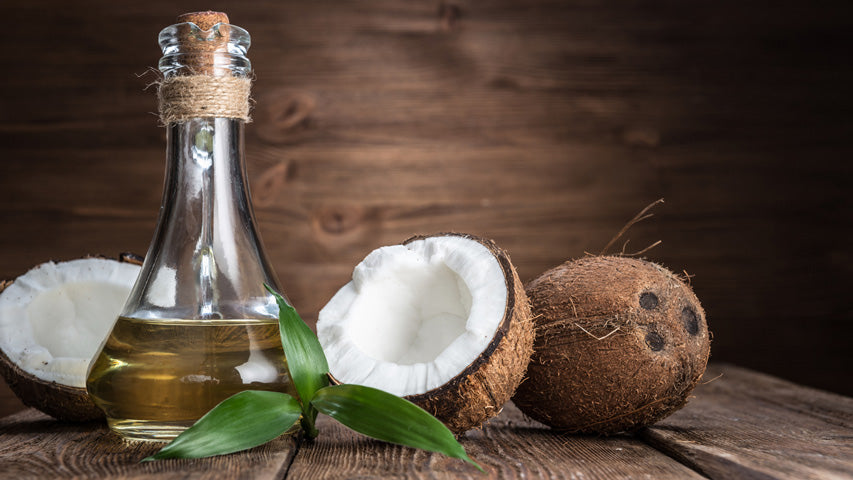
<point>620,343</point>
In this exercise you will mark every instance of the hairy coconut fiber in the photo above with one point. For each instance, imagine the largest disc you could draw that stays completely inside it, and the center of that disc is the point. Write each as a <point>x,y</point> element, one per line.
<point>480,391</point>
<point>620,344</point>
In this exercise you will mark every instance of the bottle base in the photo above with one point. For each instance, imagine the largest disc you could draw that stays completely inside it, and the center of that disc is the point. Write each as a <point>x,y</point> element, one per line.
<point>147,430</point>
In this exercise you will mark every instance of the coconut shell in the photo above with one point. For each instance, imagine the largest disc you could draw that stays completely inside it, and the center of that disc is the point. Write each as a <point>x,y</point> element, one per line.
<point>620,344</point>
<point>483,387</point>
<point>62,402</point>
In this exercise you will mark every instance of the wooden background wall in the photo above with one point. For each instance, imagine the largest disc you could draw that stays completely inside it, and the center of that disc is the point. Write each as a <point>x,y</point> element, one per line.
<point>543,125</point>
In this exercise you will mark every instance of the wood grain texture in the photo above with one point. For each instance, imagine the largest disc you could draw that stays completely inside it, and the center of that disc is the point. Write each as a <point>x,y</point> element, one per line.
<point>35,446</point>
<point>543,125</point>
<point>740,424</point>
<point>743,424</point>
<point>509,446</point>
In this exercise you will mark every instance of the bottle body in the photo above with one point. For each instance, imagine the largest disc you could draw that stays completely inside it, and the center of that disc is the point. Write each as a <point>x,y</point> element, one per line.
<point>199,325</point>
<point>156,377</point>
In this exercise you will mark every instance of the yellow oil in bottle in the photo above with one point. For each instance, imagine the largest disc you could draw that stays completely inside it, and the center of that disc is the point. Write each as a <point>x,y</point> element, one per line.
<point>155,378</point>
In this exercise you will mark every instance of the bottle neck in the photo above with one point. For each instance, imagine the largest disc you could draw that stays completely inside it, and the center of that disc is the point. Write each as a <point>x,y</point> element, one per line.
<point>206,260</point>
<point>205,72</point>
<point>191,50</point>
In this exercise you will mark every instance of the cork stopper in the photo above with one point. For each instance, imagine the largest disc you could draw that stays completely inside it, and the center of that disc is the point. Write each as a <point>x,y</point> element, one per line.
<point>204,20</point>
<point>205,69</point>
<point>203,44</point>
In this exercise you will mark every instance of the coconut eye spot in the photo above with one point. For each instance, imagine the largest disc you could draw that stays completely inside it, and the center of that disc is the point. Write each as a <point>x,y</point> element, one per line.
<point>649,300</point>
<point>690,320</point>
<point>654,341</point>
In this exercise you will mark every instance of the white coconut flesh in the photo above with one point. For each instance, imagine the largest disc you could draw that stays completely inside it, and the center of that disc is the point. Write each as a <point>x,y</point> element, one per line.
<point>54,318</point>
<point>414,316</point>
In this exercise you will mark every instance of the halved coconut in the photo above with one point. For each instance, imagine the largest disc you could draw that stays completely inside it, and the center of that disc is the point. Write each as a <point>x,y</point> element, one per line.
<point>442,320</point>
<point>52,322</point>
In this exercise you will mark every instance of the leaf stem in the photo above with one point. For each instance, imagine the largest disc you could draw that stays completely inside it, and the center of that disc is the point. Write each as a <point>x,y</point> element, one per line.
<point>309,416</point>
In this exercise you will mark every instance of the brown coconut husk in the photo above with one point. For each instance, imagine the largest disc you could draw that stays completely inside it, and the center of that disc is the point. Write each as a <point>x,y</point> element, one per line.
<point>62,402</point>
<point>620,343</point>
<point>483,387</point>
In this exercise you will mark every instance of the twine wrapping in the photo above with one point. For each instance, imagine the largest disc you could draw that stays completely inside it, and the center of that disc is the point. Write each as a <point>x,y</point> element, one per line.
<point>192,96</point>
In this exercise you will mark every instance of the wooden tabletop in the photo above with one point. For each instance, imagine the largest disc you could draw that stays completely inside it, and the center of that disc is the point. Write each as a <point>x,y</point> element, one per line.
<point>740,424</point>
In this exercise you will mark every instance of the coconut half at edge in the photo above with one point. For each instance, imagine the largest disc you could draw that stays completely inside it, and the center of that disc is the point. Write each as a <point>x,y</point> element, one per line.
<point>441,320</point>
<point>52,322</point>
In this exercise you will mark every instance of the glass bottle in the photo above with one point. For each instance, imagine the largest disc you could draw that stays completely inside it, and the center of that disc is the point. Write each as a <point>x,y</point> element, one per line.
<point>199,325</point>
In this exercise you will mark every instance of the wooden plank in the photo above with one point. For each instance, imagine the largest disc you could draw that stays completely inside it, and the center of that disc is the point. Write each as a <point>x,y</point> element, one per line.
<point>740,425</point>
<point>509,446</point>
<point>750,425</point>
<point>33,445</point>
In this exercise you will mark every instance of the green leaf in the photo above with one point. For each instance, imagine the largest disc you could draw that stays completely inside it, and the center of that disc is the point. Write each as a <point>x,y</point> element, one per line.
<point>241,421</point>
<point>387,417</point>
<point>305,358</point>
